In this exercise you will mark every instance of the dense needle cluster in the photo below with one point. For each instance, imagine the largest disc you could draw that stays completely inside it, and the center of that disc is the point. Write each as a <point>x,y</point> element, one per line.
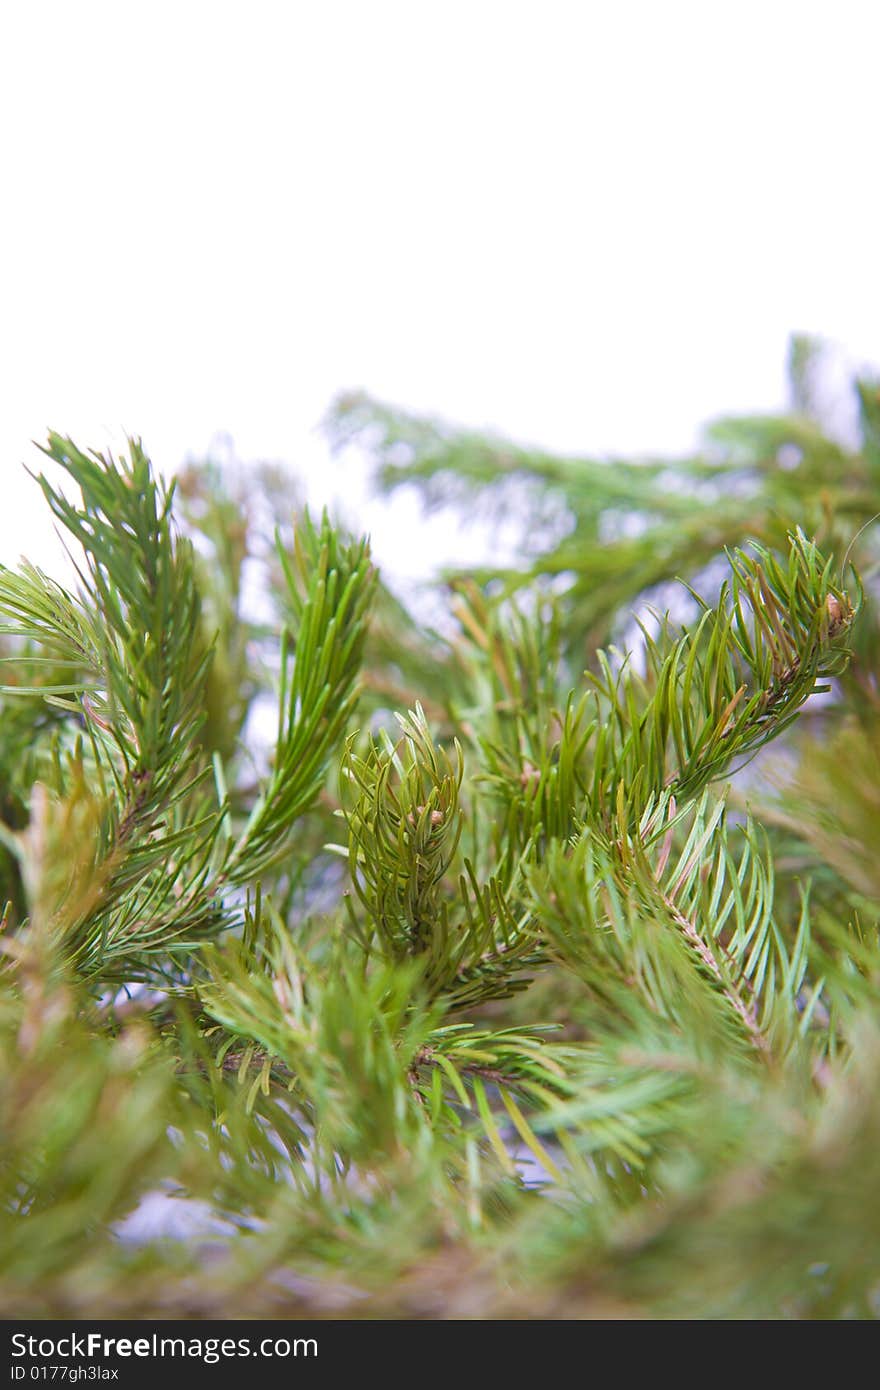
<point>511,981</point>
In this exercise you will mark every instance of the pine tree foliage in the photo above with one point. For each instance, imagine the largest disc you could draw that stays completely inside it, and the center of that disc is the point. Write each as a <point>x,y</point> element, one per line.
<point>533,969</point>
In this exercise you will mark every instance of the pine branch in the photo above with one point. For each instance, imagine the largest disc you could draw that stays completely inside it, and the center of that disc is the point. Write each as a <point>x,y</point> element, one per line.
<point>723,690</point>
<point>139,672</point>
<point>420,900</point>
<point>329,590</point>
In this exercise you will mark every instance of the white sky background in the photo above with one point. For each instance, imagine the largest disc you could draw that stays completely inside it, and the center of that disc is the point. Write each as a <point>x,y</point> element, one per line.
<point>587,225</point>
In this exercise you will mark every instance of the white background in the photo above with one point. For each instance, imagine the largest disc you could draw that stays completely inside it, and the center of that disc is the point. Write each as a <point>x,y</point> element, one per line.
<point>591,226</point>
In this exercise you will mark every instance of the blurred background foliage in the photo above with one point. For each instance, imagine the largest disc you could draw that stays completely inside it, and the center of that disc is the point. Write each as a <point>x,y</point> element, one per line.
<point>528,967</point>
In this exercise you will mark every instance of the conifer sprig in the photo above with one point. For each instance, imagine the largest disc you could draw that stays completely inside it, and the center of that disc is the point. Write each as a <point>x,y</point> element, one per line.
<point>723,689</point>
<point>329,589</point>
<point>132,770</point>
<point>421,900</point>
